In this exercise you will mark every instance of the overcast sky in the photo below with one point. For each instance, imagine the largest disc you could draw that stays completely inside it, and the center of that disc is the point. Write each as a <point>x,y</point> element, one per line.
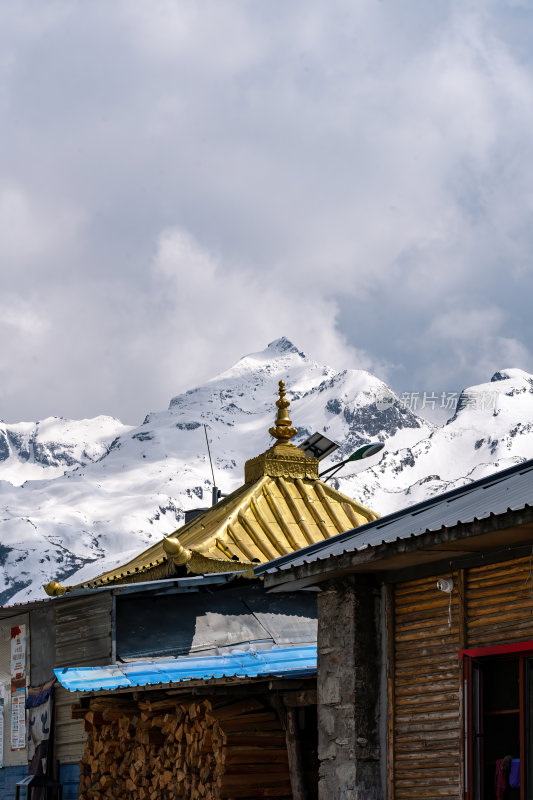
<point>182,182</point>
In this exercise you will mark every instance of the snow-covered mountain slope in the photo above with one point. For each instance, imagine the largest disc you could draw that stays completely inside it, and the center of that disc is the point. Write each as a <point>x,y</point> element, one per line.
<point>98,514</point>
<point>491,429</point>
<point>45,449</point>
<point>138,491</point>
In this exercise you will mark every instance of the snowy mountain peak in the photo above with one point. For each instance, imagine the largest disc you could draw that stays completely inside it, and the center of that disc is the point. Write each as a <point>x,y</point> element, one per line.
<point>278,358</point>
<point>494,397</point>
<point>107,491</point>
<point>283,345</point>
<point>511,374</point>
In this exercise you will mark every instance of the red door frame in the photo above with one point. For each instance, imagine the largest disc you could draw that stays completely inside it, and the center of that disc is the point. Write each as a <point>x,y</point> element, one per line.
<point>523,650</point>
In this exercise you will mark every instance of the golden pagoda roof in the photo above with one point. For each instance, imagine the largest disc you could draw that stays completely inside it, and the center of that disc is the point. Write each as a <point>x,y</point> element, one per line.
<point>282,507</point>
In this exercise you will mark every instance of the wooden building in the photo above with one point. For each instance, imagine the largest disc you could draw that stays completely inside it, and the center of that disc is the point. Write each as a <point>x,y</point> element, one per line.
<point>155,607</point>
<point>202,708</point>
<point>425,647</point>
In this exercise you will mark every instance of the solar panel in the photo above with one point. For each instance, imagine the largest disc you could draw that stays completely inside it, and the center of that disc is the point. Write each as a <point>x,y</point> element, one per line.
<point>318,446</point>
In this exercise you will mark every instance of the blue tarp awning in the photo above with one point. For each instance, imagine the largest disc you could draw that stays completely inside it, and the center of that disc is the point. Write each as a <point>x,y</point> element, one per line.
<point>284,662</point>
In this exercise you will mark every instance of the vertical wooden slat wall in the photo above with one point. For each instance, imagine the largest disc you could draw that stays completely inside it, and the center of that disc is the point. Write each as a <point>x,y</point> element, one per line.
<point>83,638</point>
<point>427,723</point>
<point>70,736</point>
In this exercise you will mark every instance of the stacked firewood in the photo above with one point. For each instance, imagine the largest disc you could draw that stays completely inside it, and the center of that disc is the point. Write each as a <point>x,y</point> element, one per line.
<point>172,749</point>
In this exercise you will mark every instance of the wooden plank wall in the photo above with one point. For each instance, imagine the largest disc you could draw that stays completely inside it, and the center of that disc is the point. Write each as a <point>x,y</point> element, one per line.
<point>499,604</point>
<point>70,737</point>
<point>83,631</point>
<point>491,605</point>
<point>83,638</point>
<point>426,692</point>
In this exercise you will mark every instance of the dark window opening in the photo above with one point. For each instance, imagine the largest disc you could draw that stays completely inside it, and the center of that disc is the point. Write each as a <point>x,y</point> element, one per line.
<point>499,725</point>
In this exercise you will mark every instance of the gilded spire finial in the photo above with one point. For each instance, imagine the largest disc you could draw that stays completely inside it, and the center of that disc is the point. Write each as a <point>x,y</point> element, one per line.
<point>283,430</point>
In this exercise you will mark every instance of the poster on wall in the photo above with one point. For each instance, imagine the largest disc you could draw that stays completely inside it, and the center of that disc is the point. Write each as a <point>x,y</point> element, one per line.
<point>18,719</point>
<point>18,652</point>
<point>2,701</point>
<point>18,687</point>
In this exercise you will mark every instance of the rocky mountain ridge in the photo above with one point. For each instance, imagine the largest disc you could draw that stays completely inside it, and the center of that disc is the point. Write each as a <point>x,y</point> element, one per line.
<point>106,491</point>
<point>35,450</point>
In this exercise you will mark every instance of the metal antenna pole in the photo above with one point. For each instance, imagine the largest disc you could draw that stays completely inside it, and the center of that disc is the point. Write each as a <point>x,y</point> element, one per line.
<point>209,452</point>
<point>216,494</point>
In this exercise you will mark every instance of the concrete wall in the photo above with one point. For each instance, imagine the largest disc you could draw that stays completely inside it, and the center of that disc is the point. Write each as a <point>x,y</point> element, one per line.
<point>348,690</point>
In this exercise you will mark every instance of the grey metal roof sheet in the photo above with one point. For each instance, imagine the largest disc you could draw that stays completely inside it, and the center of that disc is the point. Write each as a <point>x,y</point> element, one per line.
<point>235,618</point>
<point>508,490</point>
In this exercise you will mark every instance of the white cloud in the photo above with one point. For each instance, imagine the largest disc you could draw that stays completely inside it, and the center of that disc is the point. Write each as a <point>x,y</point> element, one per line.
<point>25,319</point>
<point>29,230</point>
<point>185,182</point>
<point>204,303</point>
<point>181,32</point>
<point>467,324</point>
<point>473,341</point>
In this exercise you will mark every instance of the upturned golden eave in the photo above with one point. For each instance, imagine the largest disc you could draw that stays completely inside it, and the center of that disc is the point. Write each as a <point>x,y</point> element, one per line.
<point>55,589</point>
<point>175,550</point>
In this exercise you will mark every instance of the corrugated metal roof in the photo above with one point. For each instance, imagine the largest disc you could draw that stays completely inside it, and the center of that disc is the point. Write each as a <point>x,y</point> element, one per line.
<point>192,583</point>
<point>508,490</point>
<point>285,662</point>
<point>10,610</point>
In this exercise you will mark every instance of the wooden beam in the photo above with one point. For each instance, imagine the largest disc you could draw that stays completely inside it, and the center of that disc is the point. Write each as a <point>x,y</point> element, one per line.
<point>306,697</point>
<point>389,622</point>
<point>463,644</point>
<point>463,629</point>
<point>294,752</point>
<point>289,723</point>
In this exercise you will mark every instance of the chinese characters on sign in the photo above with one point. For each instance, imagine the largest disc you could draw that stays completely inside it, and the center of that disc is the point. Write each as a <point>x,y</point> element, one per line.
<point>18,652</point>
<point>450,401</point>
<point>18,687</point>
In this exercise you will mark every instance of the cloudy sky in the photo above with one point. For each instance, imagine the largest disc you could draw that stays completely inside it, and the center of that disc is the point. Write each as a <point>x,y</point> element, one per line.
<point>183,181</point>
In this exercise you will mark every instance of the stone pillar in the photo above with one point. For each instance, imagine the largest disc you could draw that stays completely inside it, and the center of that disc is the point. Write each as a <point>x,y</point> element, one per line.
<point>348,690</point>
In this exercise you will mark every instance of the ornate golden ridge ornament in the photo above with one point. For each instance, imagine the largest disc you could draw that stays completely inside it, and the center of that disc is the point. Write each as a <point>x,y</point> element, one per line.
<point>281,465</point>
<point>179,554</point>
<point>55,589</point>
<point>283,430</point>
<point>283,459</point>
